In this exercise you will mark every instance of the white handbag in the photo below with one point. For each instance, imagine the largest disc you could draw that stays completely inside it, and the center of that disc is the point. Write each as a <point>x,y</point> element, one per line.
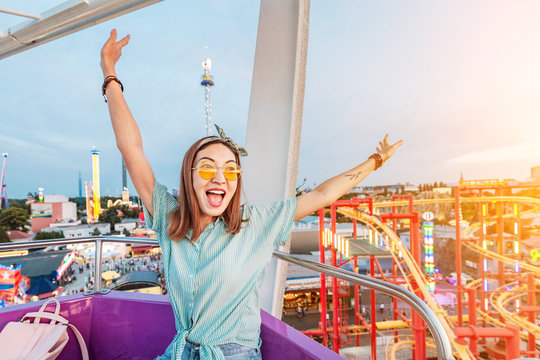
<point>38,341</point>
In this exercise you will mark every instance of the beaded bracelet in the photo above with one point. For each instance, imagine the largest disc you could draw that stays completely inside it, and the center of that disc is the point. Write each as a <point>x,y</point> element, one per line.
<point>106,82</point>
<point>378,160</point>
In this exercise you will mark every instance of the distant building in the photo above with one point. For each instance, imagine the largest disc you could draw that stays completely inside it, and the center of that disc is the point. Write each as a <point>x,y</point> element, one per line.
<point>410,188</point>
<point>143,232</point>
<point>444,190</point>
<point>18,236</point>
<point>126,224</point>
<point>535,174</point>
<point>54,209</point>
<point>83,230</point>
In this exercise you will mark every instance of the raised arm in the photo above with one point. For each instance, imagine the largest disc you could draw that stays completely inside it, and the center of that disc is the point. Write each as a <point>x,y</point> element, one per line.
<point>128,136</point>
<point>332,189</point>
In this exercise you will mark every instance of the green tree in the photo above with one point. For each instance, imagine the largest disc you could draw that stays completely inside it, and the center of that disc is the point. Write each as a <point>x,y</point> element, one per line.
<point>96,232</point>
<point>47,235</point>
<point>14,219</point>
<point>110,216</point>
<point>469,212</point>
<point>4,238</point>
<point>129,212</point>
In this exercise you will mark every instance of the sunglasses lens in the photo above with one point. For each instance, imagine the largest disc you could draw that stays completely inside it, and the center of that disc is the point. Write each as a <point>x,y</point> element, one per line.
<point>206,169</point>
<point>231,171</point>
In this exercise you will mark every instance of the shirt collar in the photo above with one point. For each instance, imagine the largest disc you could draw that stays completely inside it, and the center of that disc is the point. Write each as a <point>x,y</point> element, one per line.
<point>210,227</point>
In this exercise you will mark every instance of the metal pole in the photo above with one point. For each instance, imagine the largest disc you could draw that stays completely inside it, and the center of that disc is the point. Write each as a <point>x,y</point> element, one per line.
<point>322,292</point>
<point>417,322</point>
<point>356,290</point>
<point>481,260</point>
<point>335,293</point>
<point>473,342</point>
<point>394,276</point>
<point>458,258</point>
<point>356,301</point>
<point>20,13</point>
<point>500,239</point>
<point>373,312</point>
<point>4,156</point>
<point>97,270</point>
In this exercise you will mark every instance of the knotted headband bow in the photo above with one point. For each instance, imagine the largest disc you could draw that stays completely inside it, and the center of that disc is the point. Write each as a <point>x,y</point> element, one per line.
<point>237,148</point>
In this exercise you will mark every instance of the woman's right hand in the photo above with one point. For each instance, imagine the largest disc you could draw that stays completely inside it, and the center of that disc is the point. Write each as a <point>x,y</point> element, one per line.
<point>111,52</point>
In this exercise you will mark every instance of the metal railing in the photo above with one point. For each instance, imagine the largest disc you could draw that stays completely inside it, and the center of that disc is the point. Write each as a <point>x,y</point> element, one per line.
<point>444,348</point>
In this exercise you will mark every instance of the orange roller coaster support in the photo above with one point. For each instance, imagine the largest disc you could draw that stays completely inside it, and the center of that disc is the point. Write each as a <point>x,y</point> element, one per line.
<point>510,333</point>
<point>473,343</point>
<point>531,301</point>
<point>352,203</point>
<point>322,255</point>
<point>418,326</point>
<point>335,290</point>
<point>373,312</point>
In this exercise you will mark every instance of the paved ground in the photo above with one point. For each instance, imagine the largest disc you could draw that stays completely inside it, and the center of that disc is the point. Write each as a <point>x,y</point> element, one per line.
<point>82,280</point>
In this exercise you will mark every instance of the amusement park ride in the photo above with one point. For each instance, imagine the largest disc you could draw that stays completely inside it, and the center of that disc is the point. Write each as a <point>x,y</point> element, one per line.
<point>3,190</point>
<point>506,311</point>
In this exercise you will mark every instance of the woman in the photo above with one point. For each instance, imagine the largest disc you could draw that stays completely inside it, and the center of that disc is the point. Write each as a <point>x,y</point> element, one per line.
<point>214,249</point>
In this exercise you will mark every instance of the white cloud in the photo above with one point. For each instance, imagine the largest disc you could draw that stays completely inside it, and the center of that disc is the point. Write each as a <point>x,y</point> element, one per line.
<point>522,151</point>
<point>23,144</point>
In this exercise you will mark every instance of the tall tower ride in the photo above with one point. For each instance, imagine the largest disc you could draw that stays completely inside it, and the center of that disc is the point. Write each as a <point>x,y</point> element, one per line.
<point>2,190</point>
<point>124,175</point>
<point>125,193</point>
<point>95,171</point>
<point>207,83</point>
<point>80,189</point>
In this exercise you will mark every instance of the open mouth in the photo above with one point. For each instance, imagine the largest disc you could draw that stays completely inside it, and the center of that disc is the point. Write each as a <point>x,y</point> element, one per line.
<point>215,197</point>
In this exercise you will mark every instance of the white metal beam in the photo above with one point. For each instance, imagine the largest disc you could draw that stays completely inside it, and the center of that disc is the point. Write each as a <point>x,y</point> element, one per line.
<point>64,19</point>
<point>275,119</point>
<point>20,13</point>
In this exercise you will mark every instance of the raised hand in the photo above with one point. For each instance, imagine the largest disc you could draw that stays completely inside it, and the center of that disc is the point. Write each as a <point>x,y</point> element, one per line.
<point>386,150</point>
<point>111,52</point>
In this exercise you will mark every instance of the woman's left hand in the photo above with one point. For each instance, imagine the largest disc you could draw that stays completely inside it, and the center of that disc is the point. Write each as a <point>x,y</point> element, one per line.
<point>386,150</point>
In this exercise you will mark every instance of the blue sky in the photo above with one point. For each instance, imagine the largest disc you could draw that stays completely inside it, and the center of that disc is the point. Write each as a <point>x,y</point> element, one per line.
<point>459,82</point>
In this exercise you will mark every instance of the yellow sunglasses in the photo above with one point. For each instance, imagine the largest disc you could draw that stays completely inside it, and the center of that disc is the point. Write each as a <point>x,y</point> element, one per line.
<point>207,169</point>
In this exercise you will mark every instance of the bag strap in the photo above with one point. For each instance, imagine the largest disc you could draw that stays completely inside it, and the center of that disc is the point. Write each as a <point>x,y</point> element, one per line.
<point>44,306</point>
<point>45,315</point>
<point>82,344</point>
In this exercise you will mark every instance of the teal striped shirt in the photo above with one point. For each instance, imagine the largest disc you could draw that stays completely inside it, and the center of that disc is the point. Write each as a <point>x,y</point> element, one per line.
<point>214,283</point>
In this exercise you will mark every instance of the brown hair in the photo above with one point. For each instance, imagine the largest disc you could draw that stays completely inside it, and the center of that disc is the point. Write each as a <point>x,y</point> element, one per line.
<point>187,214</point>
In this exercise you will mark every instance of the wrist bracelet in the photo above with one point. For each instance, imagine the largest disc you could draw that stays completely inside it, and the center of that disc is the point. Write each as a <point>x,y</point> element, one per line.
<point>106,82</point>
<point>378,160</point>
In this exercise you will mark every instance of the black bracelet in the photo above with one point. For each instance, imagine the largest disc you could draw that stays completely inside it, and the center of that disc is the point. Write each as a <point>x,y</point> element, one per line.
<point>106,82</point>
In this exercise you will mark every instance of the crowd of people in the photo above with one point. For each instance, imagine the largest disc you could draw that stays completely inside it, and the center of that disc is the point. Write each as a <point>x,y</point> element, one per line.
<point>85,269</point>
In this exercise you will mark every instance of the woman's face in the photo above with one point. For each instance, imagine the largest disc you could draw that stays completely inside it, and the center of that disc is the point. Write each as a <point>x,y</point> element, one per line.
<point>215,194</point>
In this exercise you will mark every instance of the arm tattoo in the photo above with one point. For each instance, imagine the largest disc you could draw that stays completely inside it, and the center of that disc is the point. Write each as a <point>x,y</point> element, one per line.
<point>355,176</point>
